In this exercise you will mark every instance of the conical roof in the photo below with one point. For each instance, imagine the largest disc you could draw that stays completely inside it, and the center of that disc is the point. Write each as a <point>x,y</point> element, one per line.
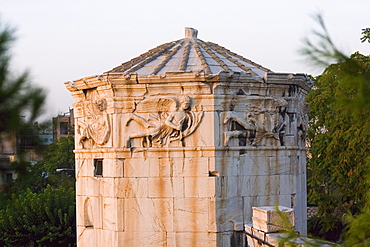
<point>189,55</point>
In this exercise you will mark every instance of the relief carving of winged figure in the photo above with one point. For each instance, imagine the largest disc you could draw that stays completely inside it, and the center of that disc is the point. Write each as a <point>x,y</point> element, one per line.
<point>170,120</point>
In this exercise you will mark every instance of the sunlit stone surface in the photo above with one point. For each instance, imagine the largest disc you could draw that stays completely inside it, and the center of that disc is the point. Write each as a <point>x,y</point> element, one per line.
<point>175,147</point>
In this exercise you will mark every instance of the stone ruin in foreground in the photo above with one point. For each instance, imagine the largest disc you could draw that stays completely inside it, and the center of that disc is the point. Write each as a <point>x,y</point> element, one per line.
<point>175,147</point>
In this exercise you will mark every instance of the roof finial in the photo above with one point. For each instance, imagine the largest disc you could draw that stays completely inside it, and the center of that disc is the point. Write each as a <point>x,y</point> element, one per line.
<point>190,32</point>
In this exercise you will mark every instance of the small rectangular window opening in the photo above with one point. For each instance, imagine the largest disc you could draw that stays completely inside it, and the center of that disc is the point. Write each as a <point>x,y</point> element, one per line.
<point>98,167</point>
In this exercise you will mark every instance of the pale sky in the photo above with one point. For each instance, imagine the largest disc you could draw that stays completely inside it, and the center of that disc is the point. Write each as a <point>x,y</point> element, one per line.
<point>60,41</point>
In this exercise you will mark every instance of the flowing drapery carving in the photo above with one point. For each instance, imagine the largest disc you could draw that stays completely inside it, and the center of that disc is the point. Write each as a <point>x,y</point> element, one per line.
<point>170,120</point>
<point>256,123</point>
<point>95,126</point>
<point>247,127</point>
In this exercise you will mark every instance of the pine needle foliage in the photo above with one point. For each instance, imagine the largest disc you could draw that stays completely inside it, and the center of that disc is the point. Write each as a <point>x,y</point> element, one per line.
<point>18,97</point>
<point>339,132</point>
<point>338,137</point>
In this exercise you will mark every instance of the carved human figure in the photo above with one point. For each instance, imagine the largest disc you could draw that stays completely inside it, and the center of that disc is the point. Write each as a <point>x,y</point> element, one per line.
<point>302,123</point>
<point>165,127</point>
<point>249,126</point>
<point>280,120</point>
<point>95,125</point>
<point>258,123</point>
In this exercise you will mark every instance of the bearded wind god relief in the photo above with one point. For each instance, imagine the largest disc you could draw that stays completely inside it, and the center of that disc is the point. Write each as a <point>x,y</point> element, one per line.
<point>163,120</point>
<point>257,124</point>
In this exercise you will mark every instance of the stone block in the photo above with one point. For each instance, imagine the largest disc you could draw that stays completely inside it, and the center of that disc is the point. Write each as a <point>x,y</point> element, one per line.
<point>113,168</point>
<point>109,238</point>
<point>113,214</point>
<point>199,186</point>
<point>212,164</point>
<point>270,215</point>
<point>191,214</point>
<point>282,200</point>
<point>88,236</point>
<point>288,184</point>
<point>143,238</point>
<point>148,214</point>
<point>186,239</point>
<point>178,187</point>
<point>212,224</point>
<point>227,165</point>
<point>160,187</point>
<point>300,208</point>
<point>229,213</point>
<point>190,167</point>
<point>251,165</point>
<point>171,239</point>
<point>153,167</point>
<point>279,165</point>
<point>264,226</point>
<point>110,214</point>
<point>132,187</point>
<point>84,167</point>
<point>259,185</point>
<point>108,187</point>
<point>204,136</point>
<point>232,238</point>
<point>133,90</point>
<point>165,167</point>
<point>136,168</point>
<point>248,203</point>
<point>88,186</point>
<point>226,186</point>
<point>89,212</point>
<point>196,89</point>
<point>158,89</point>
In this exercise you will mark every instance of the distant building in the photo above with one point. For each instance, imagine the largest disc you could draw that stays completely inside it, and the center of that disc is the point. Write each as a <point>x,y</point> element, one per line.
<point>63,125</point>
<point>30,142</point>
<point>8,147</point>
<point>26,144</point>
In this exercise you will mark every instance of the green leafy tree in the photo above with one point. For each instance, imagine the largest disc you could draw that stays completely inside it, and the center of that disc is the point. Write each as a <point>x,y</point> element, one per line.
<point>338,135</point>
<point>36,177</point>
<point>17,95</point>
<point>39,219</point>
<point>38,207</point>
<point>59,155</point>
<point>59,162</point>
<point>29,177</point>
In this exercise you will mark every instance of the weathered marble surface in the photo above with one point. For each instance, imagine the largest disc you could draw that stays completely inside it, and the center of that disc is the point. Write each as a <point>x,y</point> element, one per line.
<point>187,155</point>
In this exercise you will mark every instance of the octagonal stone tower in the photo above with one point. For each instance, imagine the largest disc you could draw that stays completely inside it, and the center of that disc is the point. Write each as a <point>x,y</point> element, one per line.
<point>175,147</point>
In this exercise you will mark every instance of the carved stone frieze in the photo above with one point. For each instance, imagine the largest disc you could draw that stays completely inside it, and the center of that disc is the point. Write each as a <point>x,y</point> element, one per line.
<point>256,123</point>
<point>94,128</point>
<point>302,123</point>
<point>163,120</point>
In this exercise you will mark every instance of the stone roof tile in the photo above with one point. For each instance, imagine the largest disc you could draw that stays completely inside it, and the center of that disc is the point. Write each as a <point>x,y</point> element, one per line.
<point>189,54</point>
